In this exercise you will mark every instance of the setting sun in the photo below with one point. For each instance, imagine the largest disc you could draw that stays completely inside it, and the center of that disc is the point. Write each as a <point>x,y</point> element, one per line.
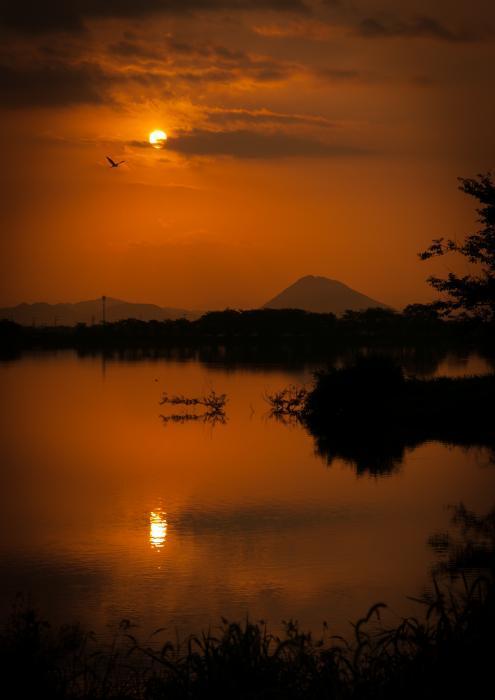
<point>157,138</point>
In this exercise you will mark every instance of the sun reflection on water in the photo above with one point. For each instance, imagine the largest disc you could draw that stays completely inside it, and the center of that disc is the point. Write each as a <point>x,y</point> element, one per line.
<point>158,529</point>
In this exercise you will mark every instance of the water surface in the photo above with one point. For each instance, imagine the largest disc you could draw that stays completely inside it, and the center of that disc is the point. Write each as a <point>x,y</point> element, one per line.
<point>108,513</point>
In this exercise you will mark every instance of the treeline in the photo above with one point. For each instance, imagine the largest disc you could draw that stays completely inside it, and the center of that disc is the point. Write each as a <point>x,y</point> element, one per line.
<point>253,327</point>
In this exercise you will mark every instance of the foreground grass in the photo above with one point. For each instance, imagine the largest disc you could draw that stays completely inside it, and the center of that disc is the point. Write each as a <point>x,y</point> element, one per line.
<point>447,653</point>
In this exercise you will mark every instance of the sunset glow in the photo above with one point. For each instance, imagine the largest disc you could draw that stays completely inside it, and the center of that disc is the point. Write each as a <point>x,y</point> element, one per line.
<point>308,138</point>
<point>247,311</point>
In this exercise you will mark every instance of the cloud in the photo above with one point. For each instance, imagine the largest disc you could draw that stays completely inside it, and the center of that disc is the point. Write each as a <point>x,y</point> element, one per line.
<point>174,63</point>
<point>246,144</point>
<point>51,85</point>
<point>218,63</point>
<point>340,75</point>
<point>262,116</point>
<point>420,27</point>
<point>299,27</point>
<point>133,50</point>
<point>59,78</point>
<point>38,17</point>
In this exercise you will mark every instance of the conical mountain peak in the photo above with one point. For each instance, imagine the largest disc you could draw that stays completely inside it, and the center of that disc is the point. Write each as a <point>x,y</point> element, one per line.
<point>322,295</point>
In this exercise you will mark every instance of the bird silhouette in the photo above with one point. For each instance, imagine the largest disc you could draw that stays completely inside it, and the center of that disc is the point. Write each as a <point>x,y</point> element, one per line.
<point>113,164</point>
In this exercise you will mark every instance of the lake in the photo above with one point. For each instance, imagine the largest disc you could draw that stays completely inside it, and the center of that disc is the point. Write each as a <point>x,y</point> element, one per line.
<point>110,512</point>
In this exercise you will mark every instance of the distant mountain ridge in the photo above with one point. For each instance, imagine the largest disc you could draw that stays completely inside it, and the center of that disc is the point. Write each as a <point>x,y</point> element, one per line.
<point>322,295</point>
<point>89,312</point>
<point>310,293</point>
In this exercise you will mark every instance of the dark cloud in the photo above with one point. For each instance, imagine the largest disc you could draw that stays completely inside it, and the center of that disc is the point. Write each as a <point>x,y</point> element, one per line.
<point>252,144</point>
<point>194,63</point>
<point>219,59</point>
<point>246,116</point>
<point>419,27</point>
<point>180,48</point>
<point>36,16</point>
<point>54,78</point>
<point>338,75</point>
<point>210,75</point>
<point>176,48</point>
<point>182,64</point>
<point>133,50</point>
<point>56,84</point>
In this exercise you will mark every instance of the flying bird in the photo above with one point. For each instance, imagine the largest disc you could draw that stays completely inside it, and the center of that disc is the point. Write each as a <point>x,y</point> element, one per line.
<point>113,164</point>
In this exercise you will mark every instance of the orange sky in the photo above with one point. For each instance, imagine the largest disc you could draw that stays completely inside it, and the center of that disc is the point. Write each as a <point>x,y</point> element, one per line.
<point>320,137</point>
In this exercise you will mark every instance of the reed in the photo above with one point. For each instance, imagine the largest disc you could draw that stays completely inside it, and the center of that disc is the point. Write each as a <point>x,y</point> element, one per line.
<point>212,403</point>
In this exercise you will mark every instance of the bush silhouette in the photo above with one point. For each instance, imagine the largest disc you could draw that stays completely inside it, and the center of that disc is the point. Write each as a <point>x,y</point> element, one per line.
<point>356,388</point>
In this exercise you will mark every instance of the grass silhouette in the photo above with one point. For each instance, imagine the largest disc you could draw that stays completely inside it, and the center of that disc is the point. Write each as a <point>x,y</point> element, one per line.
<point>213,406</point>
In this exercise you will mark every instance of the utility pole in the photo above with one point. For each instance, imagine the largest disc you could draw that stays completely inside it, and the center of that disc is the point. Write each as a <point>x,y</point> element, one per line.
<point>103,309</point>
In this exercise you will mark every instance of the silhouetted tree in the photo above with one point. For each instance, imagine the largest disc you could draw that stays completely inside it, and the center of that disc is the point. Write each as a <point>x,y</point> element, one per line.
<point>471,295</point>
<point>421,312</point>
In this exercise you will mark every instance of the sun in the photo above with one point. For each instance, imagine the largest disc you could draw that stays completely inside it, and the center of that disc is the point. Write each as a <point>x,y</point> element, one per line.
<point>157,138</point>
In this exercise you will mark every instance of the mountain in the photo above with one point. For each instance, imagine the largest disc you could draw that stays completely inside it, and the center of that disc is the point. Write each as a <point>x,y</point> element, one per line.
<point>89,312</point>
<point>309,293</point>
<point>322,295</point>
